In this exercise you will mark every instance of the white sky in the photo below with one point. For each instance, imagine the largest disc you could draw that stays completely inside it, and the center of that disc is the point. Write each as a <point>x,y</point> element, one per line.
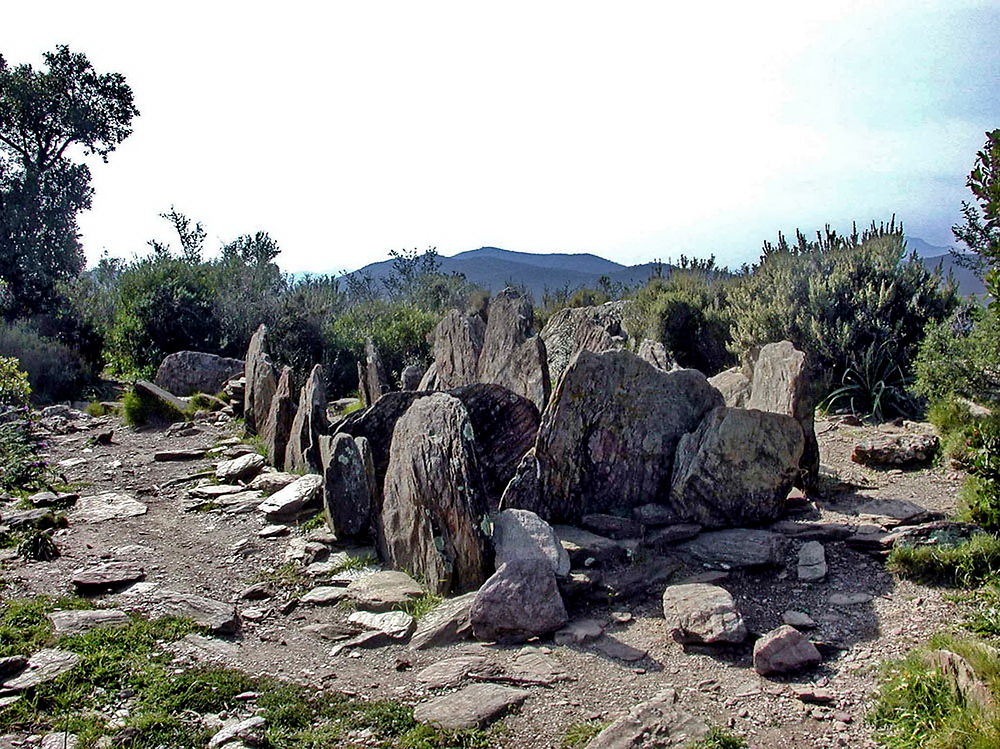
<point>631,130</point>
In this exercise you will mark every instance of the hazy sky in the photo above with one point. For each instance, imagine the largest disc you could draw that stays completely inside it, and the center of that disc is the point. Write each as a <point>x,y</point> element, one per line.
<point>631,130</point>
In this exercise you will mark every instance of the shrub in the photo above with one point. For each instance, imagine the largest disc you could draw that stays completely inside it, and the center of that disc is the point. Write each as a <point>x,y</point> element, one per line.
<point>21,464</point>
<point>961,356</point>
<point>139,409</point>
<point>55,371</point>
<point>15,391</point>
<point>956,564</point>
<point>873,385</point>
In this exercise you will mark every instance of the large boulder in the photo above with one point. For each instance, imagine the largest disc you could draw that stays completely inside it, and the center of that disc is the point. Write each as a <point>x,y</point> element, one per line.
<point>190,372</point>
<point>433,499</point>
<point>736,468</point>
<point>520,601</point>
<point>511,356</point>
<point>347,488</point>
<point>608,437</point>
<point>278,425</point>
<point>572,330</point>
<point>302,453</point>
<point>702,613</point>
<point>373,382</point>
<point>261,382</point>
<point>782,383</point>
<point>458,341</point>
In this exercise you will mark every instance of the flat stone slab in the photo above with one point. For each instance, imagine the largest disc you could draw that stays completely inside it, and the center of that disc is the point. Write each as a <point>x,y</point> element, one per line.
<point>532,667</point>
<point>736,548</point>
<point>471,707</point>
<point>447,624</point>
<point>896,511</point>
<point>578,632</point>
<point>325,594</point>
<point>849,599</point>
<point>170,456</point>
<point>78,622</point>
<point>43,666</point>
<point>213,491</point>
<point>294,498</point>
<point>217,616</point>
<point>450,672</point>
<point>107,506</point>
<point>242,468</point>
<point>383,591</point>
<point>660,722</point>
<point>106,576</point>
<point>613,648</point>
<point>395,624</point>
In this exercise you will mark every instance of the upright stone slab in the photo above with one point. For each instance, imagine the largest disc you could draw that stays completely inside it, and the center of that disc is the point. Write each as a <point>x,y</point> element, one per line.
<point>734,386</point>
<point>608,437</point>
<point>656,354</point>
<point>572,330</point>
<point>520,601</point>
<point>373,382</point>
<point>781,384</point>
<point>278,425</point>
<point>302,453</point>
<point>190,372</point>
<point>347,493</point>
<point>511,356</point>
<point>430,379</point>
<point>261,383</point>
<point>458,341</point>
<point>433,502</point>
<point>736,469</point>
<point>409,378</point>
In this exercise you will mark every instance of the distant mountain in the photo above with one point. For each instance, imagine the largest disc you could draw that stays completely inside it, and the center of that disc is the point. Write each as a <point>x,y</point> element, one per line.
<point>493,269</point>
<point>925,249</point>
<point>935,257</point>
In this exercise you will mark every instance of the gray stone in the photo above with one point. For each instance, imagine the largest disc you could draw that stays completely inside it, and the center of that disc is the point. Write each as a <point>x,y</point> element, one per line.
<point>98,508</point>
<point>397,625</point>
<point>520,601</point>
<point>583,545</point>
<point>293,499</point>
<point>302,452</point>
<point>450,672</point>
<point>373,382</point>
<point>75,622</point>
<point>190,372</point>
<point>277,427</point>
<point>214,491</point>
<point>734,386</point>
<point>578,632</point>
<point>609,434</point>
<point>60,740</point>
<point>736,468</point>
<point>429,382</point>
<point>532,667</point>
<point>458,341</point>
<point>611,647</point>
<point>325,594</point>
<point>433,501</point>
<point>171,401</point>
<point>249,730</point>
<point>471,707</point>
<point>656,354</point>
<point>812,562</point>
<point>45,665</point>
<point>659,722</point>
<point>261,382</point>
<point>382,591</point>
<point>611,526</point>
<point>655,514</point>
<point>174,456</point>
<point>271,482</point>
<point>106,576</point>
<point>410,377</point>
<point>798,619</point>
<point>510,355</point>
<point>783,650</point>
<point>849,599</point>
<point>894,450</point>
<point>700,613</point>
<point>348,491</point>
<point>736,548</point>
<point>572,330</point>
<point>668,535</point>
<point>217,616</point>
<point>521,534</point>
<point>962,678</point>
<point>447,624</point>
<point>890,512</point>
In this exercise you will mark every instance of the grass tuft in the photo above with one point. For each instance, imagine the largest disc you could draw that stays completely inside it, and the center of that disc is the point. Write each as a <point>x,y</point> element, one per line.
<point>581,734</point>
<point>965,564</point>
<point>719,738</point>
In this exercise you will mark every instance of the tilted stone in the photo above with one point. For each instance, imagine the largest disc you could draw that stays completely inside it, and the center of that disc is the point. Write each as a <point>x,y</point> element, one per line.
<point>347,490</point>
<point>243,468</point>
<point>734,385</point>
<point>572,330</point>
<point>656,354</point>
<point>261,382</point>
<point>510,355</point>
<point>278,425</point>
<point>458,341</point>
<point>659,722</point>
<point>521,534</point>
<point>446,624</point>
<point>736,548</point>
<point>293,499</point>
<point>302,453</point>
<point>520,601</point>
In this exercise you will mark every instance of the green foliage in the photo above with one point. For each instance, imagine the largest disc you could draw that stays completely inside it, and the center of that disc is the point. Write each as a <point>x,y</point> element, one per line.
<point>139,409</point>
<point>21,464</point>
<point>961,356</point>
<point>420,607</point>
<point>873,385</point>
<point>55,371</point>
<point>982,615</point>
<point>581,734</point>
<point>916,706</point>
<point>15,390</point>
<point>980,497</point>
<point>981,230</point>
<point>24,625</point>
<point>950,563</point>
<point>953,419</point>
<point>38,546</point>
<point>719,738</point>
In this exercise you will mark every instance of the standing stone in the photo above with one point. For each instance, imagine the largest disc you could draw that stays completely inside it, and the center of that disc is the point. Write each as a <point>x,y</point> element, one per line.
<point>736,468</point>
<point>734,386</point>
<point>656,354</point>
<point>433,500</point>
<point>812,562</point>
<point>261,382</point>
<point>302,453</point>
<point>781,384</point>
<point>510,356</point>
<point>458,341</point>
<point>347,493</point>
<point>521,534</point>
<point>430,379</point>
<point>519,602</point>
<point>608,436</point>
<point>373,382</point>
<point>189,372</point>
<point>410,377</point>
<point>572,330</point>
<point>701,613</point>
<point>783,650</point>
<point>278,425</point>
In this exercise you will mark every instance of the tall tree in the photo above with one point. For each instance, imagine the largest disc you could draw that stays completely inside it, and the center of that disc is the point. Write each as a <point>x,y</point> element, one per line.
<point>981,230</point>
<point>48,120</point>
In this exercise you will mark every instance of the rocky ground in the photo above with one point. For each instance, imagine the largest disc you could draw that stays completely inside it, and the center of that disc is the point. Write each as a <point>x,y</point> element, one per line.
<point>863,615</point>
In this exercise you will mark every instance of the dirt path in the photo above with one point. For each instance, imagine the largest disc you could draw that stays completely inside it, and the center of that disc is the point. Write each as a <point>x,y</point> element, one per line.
<point>218,555</point>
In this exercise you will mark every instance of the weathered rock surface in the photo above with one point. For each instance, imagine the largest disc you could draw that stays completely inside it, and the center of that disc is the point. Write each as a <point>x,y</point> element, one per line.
<point>106,576</point>
<point>894,450</point>
<point>458,341</point>
<point>781,384</point>
<point>382,591</point>
<point>520,601</point>
<point>98,508</point>
<point>149,390</point>
<point>325,594</point>
<point>293,499</point>
<point>302,452</point>
<point>586,548</point>
<point>433,499</point>
<point>665,536</point>
<point>608,437</point>
<point>75,622</point>
<point>783,650</point>
<point>962,678</point>
<point>410,377</point>
<point>572,330</point>
<point>396,625</point>
<point>373,381</point>
<point>447,624</point>
<point>190,372</point>
<point>812,562</point>
<point>277,426</point>
<point>272,481</point>
<point>471,707</point>
<point>243,468</point>
<point>450,672</point>
<point>521,534</point>
<point>700,613</point>
<point>736,548</point>
<point>734,385</point>
<point>348,495</point>
<point>579,631</point>
<point>611,526</point>
<point>660,722</point>
<point>219,617</point>
<point>429,381</point>
<point>45,665</point>
<point>510,355</point>
<point>656,354</point>
<point>736,468</point>
<point>240,733</point>
<point>261,382</point>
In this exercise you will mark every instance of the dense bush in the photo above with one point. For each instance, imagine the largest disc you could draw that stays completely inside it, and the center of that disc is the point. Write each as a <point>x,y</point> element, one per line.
<point>55,371</point>
<point>15,390</point>
<point>961,356</point>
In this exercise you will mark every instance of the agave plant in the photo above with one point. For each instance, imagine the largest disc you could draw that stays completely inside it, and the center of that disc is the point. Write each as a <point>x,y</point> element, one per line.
<point>38,546</point>
<point>874,385</point>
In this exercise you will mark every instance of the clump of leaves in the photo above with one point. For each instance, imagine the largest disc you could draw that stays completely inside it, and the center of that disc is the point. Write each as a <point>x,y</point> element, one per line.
<point>15,391</point>
<point>21,464</point>
<point>38,546</point>
<point>420,607</point>
<point>873,385</point>
<point>719,738</point>
<point>581,734</point>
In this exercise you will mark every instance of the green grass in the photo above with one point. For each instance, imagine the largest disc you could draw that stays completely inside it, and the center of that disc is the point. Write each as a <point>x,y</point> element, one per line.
<point>719,738</point>
<point>139,409</point>
<point>982,611</point>
<point>916,705</point>
<point>581,734</point>
<point>420,607</point>
<point>966,564</point>
<point>128,668</point>
<point>316,521</point>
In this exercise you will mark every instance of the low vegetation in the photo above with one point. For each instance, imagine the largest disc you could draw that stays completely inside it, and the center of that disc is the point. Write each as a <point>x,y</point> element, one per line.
<point>963,564</point>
